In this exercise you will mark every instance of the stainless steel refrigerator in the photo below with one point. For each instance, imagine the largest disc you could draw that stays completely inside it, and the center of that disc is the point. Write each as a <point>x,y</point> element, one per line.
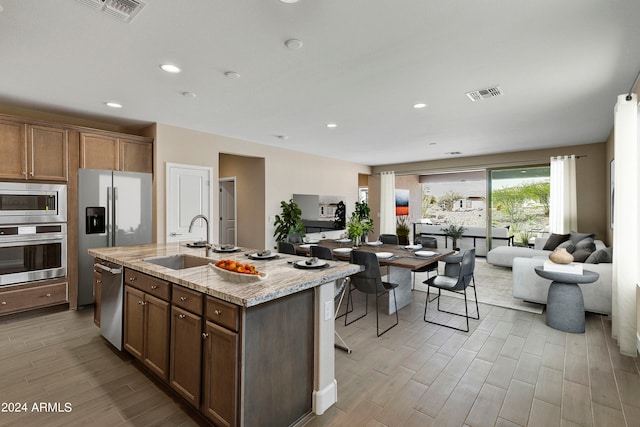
<point>114,209</point>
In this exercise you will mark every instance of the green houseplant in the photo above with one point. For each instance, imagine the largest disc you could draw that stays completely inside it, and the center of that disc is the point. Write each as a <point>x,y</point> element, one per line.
<point>402,229</point>
<point>360,223</point>
<point>455,232</point>
<point>289,221</point>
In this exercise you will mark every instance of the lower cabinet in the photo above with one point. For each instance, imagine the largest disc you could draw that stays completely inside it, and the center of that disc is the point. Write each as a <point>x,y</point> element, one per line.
<point>146,330</point>
<point>220,383</point>
<point>18,298</point>
<point>185,373</point>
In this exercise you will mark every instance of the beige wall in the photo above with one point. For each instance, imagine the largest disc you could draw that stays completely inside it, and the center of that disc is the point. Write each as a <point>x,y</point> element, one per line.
<point>285,172</point>
<point>250,188</point>
<point>592,178</point>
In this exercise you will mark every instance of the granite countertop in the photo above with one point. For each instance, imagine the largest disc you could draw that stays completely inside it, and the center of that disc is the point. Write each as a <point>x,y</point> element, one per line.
<point>282,278</point>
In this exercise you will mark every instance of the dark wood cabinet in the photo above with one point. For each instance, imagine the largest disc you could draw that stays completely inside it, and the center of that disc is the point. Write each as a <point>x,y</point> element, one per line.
<point>185,373</point>
<point>220,381</point>
<point>146,330</point>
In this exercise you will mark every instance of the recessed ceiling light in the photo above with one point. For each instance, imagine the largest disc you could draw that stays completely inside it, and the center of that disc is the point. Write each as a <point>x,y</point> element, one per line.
<point>331,125</point>
<point>188,94</point>
<point>282,137</point>
<point>289,1</point>
<point>293,44</point>
<point>419,105</point>
<point>111,104</point>
<point>232,75</point>
<point>170,68</point>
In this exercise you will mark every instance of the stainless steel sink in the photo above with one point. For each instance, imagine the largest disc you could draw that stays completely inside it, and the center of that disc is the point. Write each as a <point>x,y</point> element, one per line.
<point>179,262</point>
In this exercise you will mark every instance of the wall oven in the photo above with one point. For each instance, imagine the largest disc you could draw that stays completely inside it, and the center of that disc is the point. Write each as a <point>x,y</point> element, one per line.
<point>29,203</point>
<point>30,252</point>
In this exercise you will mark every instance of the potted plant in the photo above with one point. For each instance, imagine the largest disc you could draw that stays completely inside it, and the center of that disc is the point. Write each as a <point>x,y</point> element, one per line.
<point>455,232</point>
<point>402,229</point>
<point>357,228</point>
<point>362,212</point>
<point>289,221</point>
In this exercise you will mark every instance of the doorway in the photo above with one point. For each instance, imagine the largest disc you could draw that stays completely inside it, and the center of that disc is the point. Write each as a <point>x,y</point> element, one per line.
<point>228,234</point>
<point>188,194</point>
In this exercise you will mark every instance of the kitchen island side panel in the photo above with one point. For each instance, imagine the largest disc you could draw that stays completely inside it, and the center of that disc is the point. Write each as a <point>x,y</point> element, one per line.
<point>278,361</point>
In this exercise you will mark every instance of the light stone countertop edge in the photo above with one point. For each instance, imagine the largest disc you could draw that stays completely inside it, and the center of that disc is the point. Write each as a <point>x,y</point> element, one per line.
<point>282,278</point>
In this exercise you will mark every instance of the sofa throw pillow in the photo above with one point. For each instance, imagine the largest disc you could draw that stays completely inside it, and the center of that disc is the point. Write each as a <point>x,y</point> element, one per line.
<point>601,256</point>
<point>586,243</point>
<point>554,240</point>
<point>581,255</point>
<point>568,245</point>
<point>575,237</point>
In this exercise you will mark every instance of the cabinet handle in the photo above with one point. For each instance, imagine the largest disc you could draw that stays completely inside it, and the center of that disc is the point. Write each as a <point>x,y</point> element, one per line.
<point>217,312</point>
<point>98,281</point>
<point>141,302</point>
<point>204,335</point>
<point>24,173</point>
<point>154,287</point>
<point>48,295</point>
<point>31,173</point>
<point>183,299</point>
<point>181,316</point>
<point>3,303</point>
<point>131,279</point>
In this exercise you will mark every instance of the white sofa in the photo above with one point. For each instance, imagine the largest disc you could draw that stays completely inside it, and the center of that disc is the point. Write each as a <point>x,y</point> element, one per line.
<point>474,237</point>
<point>528,286</point>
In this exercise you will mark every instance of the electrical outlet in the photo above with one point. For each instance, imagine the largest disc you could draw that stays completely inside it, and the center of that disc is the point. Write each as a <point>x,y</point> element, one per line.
<point>328,310</point>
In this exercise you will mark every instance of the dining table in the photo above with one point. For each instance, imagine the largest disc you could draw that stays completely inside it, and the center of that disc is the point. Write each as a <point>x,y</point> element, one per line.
<point>400,260</point>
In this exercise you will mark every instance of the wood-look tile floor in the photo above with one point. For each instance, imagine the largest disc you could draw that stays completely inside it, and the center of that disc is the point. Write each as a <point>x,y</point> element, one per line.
<point>510,370</point>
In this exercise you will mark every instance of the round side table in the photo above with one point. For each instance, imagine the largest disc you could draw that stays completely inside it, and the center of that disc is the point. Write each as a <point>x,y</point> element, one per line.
<point>565,304</point>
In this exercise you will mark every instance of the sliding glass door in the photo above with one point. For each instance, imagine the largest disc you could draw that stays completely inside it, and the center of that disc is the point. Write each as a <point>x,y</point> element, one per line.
<point>519,200</point>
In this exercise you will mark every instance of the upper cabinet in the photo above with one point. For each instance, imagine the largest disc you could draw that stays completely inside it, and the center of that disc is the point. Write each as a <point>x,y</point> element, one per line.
<point>98,151</point>
<point>33,152</point>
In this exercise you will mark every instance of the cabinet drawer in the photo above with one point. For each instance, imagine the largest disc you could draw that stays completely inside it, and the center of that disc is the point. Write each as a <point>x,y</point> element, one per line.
<point>187,299</point>
<point>223,313</point>
<point>151,285</point>
<point>39,296</point>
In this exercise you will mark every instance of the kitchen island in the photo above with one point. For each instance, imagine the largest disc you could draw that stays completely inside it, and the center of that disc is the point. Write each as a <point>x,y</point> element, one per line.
<point>260,353</point>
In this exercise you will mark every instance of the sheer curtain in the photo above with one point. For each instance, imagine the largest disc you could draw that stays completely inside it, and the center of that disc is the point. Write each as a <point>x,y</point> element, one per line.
<point>387,203</point>
<point>563,209</point>
<point>625,232</point>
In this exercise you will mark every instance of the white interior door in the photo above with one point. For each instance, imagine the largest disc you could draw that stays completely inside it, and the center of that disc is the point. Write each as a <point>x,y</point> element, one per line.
<point>228,211</point>
<point>188,194</point>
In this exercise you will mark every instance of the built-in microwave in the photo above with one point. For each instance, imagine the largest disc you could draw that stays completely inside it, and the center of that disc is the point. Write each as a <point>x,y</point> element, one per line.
<point>29,203</point>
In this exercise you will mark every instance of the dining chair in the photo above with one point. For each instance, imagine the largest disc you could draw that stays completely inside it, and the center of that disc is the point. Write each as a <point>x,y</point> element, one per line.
<point>286,248</point>
<point>294,238</point>
<point>323,252</point>
<point>457,284</point>
<point>389,239</point>
<point>426,242</point>
<point>368,282</point>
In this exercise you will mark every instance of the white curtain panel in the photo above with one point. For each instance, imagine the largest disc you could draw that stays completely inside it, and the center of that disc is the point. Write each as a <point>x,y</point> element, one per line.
<point>626,236</point>
<point>563,211</point>
<point>387,203</point>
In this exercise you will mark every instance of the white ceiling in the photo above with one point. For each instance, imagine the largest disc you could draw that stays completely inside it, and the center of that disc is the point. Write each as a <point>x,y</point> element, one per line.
<point>364,63</point>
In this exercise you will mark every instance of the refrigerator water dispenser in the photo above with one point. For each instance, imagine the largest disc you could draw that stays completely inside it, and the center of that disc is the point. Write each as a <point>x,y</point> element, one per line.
<point>95,220</point>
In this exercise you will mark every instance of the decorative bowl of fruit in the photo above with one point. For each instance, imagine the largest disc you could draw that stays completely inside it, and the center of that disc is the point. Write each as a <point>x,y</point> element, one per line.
<point>237,272</point>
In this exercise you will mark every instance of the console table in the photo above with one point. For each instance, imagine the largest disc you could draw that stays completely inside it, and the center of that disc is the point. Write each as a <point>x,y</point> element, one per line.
<point>565,304</point>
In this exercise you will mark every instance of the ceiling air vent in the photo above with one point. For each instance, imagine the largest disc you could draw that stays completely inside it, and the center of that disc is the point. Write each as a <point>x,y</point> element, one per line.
<point>480,94</point>
<point>122,10</point>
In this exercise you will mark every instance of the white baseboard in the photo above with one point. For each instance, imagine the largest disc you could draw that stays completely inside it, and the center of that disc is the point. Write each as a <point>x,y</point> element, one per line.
<point>323,399</point>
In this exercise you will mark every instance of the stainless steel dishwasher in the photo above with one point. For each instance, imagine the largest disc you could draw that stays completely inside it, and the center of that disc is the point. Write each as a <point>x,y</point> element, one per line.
<point>112,302</point>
